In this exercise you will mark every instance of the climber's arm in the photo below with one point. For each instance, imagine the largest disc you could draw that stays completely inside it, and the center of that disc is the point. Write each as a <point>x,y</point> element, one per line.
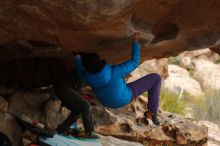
<point>128,66</point>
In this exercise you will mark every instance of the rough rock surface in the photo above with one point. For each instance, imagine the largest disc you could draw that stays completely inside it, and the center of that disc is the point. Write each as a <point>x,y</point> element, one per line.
<point>213,133</point>
<point>29,104</point>
<point>33,29</point>
<point>124,123</point>
<point>166,24</point>
<point>10,128</point>
<point>186,58</point>
<point>128,123</point>
<point>3,104</point>
<point>55,114</point>
<point>38,106</point>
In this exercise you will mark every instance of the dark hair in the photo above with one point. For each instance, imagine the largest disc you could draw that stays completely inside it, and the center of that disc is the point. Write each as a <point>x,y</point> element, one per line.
<point>92,62</point>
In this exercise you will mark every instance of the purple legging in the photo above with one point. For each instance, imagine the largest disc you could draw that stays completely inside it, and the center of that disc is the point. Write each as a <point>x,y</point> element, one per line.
<point>150,83</point>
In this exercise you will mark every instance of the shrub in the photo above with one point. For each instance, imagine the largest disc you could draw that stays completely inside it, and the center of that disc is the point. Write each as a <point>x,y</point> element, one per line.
<point>208,108</point>
<point>217,61</point>
<point>191,72</point>
<point>174,60</point>
<point>204,108</point>
<point>170,102</point>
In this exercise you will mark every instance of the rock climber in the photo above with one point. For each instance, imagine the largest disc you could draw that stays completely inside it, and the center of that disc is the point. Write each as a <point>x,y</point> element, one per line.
<point>65,90</point>
<point>109,85</point>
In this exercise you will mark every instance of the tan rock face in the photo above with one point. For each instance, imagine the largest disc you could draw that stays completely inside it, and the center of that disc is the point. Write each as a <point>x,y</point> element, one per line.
<point>159,66</point>
<point>213,133</point>
<point>187,58</point>
<point>205,54</point>
<point>97,25</point>
<point>207,74</point>
<point>156,65</point>
<point>129,124</point>
<point>40,28</point>
<point>179,80</point>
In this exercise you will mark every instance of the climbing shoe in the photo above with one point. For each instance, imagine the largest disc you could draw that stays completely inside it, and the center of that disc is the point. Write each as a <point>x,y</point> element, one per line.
<point>153,117</point>
<point>71,132</point>
<point>91,135</point>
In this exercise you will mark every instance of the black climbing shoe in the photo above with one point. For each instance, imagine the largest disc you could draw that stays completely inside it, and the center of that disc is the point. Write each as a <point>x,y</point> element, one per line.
<point>91,135</point>
<point>153,117</point>
<point>155,120</point>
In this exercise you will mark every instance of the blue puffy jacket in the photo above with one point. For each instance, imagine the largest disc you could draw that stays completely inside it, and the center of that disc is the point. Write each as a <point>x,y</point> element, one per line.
<point>109,84</point>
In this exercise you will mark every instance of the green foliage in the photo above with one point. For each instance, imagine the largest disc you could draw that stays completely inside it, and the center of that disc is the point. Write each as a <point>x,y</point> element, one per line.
<point>170,102</point>
<point>208,108</point>
<point>174,60</point>
<point>191,72</point>
<point>198,105</point>
<point>217,61</point>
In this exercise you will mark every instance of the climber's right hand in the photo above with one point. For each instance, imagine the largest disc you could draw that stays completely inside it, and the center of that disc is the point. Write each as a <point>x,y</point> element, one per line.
<point>136,37</point>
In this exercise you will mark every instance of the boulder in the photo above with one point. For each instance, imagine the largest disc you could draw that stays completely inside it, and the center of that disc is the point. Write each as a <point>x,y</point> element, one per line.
<point>180,84</point>
<point>175,70</point>
<point>186,58</point>
<point>186,62</point>
<point>55,114</point>
<point>125,123</point>
<point>6,91</point>
<point>11,129</point>
<point>213,133</point>
<point>38,106</point>
<point>3,104</point>
<point>207,74</point>
<point>199,54</point>
<point>156,65</point>
<point>128,123</point>
<point>179,80</point>
<point>36,30</point>
<point>31,104</point>
<point>183,133</point>
<point>159,66</point>
<point>106,26</point>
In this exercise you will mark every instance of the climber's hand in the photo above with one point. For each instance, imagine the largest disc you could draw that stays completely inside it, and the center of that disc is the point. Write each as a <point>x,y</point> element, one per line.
<point>76,53</point>
<point>136,37</point>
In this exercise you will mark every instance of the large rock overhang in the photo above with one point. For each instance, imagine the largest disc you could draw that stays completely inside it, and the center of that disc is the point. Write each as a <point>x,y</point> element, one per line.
<point>52,28</point>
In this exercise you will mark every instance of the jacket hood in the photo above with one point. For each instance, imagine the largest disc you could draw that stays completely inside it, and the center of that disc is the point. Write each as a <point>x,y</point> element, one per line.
<point>100,78</point>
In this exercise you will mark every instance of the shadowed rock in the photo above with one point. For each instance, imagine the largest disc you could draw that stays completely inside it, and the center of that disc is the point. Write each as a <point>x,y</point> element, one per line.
<point>48,28</point>
<point>106,26</point>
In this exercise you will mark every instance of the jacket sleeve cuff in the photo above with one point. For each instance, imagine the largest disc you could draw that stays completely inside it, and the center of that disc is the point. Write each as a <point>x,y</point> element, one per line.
<point>136,44</point>
<point>77,56</point>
